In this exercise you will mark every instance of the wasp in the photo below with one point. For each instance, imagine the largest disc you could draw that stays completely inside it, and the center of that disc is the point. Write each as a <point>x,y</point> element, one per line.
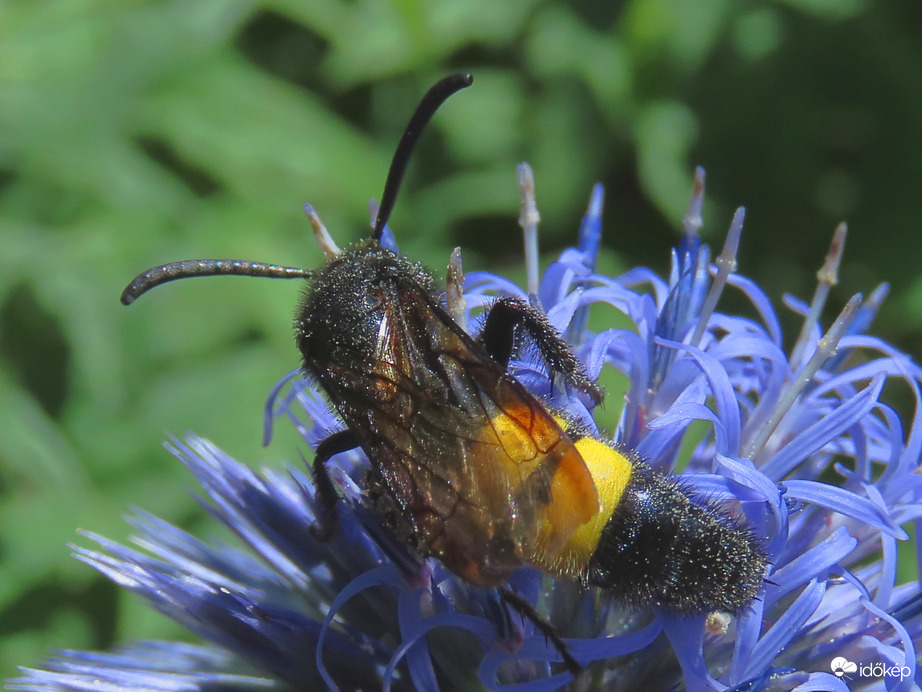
<point>476,470</point>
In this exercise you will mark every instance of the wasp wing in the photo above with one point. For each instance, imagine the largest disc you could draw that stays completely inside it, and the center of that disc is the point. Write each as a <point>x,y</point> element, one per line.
<point>479,467</point>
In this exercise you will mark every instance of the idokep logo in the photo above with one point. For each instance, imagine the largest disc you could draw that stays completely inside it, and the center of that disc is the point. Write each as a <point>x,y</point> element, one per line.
<point>843,668</point>
<point>840,666</point>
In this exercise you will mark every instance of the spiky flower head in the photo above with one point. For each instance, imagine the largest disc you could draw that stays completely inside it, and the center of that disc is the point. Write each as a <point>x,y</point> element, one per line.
<point>799,442</point>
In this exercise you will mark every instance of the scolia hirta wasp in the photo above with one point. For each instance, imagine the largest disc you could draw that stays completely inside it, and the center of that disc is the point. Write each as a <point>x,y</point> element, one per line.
<point>469,465</point>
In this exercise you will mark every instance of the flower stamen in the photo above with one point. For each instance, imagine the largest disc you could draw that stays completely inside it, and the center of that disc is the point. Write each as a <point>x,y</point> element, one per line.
<point>324,239</point>
<point>528,220</point>
<point>826,348</point>
<point>827,276</point>
<point>726,265</point>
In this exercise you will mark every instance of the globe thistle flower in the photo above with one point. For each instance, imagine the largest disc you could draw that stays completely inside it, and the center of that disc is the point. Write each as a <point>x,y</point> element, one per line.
<point>799,443</point>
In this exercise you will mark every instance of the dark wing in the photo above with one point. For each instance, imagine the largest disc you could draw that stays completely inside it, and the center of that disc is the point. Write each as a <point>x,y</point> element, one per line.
<point>480,468</point>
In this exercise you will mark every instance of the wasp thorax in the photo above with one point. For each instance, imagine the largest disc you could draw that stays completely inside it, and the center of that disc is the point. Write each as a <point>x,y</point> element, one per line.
<point>349,308</point>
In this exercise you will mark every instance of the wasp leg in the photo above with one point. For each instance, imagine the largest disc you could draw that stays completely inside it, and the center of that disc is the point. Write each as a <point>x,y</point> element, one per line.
<point>498,337</point>
<point>527,610</point>
<point>341,441</point>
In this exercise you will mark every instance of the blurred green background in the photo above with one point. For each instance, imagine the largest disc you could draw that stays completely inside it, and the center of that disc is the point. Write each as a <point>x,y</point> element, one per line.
<point>134,133</point>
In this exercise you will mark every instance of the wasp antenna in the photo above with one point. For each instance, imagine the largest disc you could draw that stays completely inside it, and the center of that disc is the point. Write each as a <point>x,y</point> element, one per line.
<point>205,267</point>
<point>434,98</point>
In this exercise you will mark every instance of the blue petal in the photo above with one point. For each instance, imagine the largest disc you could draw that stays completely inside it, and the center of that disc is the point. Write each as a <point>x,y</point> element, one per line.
<point>823,431</point>
<point>785,628</point>
<point>822,682</point>
<point>905,657</point>
<point>845,502</point>
<point>813,564</point>
<point>686,635</point>
<point>601,648</point>
<point>761,303</point>
<point>150,665</point>
<point>721,390</point>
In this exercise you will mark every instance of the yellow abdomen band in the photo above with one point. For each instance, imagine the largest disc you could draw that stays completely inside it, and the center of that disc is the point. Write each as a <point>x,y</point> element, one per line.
<point>611,472</point>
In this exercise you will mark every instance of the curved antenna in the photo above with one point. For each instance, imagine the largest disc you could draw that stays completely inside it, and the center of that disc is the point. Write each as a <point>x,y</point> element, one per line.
<point>205,267</point>
<point>434,98</point>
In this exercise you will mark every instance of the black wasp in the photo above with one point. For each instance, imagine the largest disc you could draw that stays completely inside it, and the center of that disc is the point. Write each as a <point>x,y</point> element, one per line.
<point>466,463</point>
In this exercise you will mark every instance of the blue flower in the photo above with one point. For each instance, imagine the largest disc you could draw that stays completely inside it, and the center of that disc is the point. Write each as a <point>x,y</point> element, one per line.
<point>800,442</point>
